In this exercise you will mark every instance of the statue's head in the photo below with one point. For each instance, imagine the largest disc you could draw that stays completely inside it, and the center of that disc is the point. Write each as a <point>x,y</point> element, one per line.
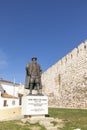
<point>34,58</point>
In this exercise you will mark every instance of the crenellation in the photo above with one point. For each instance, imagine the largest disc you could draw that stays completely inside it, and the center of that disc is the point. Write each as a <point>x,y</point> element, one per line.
<point>74,53</point>
<point>59,63</point>
<point>81,47</point>
<point>85,45</point>
<point>66,81</point>
<point>68,56</point>
<point>85,42</point>
<point>64,60</point>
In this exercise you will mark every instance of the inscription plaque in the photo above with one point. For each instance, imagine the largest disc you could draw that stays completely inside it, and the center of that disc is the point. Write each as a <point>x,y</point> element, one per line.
<point>34,105</point>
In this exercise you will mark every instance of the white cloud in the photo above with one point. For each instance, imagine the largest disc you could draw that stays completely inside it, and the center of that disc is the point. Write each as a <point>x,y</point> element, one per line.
<point>3,59</point>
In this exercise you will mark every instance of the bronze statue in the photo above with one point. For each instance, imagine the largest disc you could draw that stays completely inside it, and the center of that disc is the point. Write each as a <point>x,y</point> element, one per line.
<point>33,76</point>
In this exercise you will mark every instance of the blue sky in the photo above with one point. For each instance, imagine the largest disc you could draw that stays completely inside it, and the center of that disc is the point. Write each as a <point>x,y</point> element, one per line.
<point>47,29</point>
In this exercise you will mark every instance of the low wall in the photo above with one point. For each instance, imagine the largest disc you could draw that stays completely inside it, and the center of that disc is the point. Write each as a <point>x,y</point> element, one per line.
<point>10,113</point>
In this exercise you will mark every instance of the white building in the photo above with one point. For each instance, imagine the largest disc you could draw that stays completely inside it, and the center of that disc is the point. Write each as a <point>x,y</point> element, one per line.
<point>9,87</point>
<point>10,93</point>
<point>7,100</point>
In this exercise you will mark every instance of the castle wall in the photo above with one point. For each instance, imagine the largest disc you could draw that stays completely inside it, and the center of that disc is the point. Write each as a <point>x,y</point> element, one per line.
<point>65,83</point>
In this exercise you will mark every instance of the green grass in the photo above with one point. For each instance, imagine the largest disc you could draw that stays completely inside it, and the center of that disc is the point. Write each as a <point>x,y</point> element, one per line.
<point>18,125</point>
<point>73,118</point>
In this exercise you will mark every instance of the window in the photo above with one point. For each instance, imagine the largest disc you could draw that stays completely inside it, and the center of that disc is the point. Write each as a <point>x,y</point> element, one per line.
<point>5,103</point>
<point>13,102</point>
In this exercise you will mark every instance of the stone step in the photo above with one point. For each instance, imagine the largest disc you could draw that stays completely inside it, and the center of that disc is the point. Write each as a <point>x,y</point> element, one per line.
<point>46,123</point>
<point>51,128</point>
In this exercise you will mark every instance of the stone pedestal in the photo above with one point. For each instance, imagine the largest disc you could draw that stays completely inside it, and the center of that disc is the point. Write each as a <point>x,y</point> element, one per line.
<point>34,105</point>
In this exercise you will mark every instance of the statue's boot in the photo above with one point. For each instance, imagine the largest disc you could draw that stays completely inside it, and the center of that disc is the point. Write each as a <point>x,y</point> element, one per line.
<point>38,88</point>
<point>31,87</point>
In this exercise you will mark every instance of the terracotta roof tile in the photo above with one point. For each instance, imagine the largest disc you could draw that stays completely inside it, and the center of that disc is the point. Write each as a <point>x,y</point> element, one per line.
<point>5,95</point>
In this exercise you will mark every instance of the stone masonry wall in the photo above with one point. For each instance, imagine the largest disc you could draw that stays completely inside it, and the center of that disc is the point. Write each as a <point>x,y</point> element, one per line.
<point>65,83</point>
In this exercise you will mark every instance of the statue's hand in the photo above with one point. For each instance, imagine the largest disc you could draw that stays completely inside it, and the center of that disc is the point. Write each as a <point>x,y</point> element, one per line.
<point>30,75</point>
